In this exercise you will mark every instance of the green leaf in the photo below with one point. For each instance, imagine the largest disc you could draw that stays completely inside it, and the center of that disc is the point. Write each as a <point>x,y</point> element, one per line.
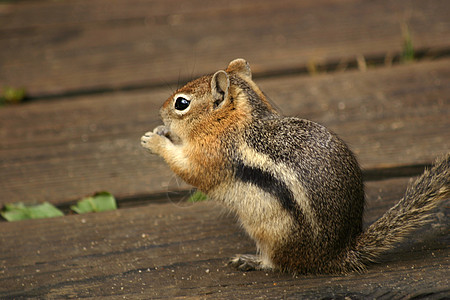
<point>102,201</point>
<point>10,95</point>
<point>20,211</point>
<point>197,196</point>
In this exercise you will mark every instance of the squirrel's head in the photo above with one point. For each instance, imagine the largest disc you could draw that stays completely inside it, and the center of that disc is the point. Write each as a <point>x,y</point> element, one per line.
<point>212,103</point>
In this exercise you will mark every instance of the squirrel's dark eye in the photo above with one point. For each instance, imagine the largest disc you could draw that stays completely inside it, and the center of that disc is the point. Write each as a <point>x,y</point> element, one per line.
<point>181,103</point>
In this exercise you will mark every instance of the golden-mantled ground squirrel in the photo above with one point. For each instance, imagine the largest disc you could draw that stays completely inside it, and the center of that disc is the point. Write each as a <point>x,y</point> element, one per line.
<point>295,186</point>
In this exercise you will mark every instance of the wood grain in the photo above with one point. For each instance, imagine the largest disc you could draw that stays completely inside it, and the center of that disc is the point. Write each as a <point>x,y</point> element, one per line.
<point>59,151</point>
<point>52,47</point>
<point>174,250</point>
<point>109,64</point>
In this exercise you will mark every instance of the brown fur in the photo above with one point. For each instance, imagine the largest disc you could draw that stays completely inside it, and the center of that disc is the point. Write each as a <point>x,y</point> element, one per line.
<point>295,186</point>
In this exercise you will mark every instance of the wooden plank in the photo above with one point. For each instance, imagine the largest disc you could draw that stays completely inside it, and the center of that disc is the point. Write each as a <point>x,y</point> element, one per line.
<point>59,151</point>
<point>54,47</point>
<point>181,251</point>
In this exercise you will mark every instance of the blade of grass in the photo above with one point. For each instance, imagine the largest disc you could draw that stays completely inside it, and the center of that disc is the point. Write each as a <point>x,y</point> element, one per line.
<point>197,196</point>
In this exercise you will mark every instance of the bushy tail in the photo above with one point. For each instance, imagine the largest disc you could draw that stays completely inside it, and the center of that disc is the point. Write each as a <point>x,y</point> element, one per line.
<point>410,213</point>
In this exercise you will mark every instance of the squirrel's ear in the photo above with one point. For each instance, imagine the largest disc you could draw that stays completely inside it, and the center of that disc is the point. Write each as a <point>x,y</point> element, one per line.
<point>220,83</point>
<point>241,67</point>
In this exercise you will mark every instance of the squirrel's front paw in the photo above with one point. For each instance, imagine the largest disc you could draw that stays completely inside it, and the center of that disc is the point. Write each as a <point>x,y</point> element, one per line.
<point>154,140</point>
<point>161,130</point>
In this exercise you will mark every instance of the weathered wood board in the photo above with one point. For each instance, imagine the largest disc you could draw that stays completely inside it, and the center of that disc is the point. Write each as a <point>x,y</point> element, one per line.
<point>59,151</point>
<point>52,47</point>
<point>105,67</point>
<point>173,250</point>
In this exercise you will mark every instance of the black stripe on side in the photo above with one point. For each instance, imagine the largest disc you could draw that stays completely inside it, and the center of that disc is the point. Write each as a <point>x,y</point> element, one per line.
<point>268,183</point>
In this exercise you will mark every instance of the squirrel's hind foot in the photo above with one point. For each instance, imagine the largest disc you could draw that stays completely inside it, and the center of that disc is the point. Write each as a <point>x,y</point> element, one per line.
<point>248,262</point>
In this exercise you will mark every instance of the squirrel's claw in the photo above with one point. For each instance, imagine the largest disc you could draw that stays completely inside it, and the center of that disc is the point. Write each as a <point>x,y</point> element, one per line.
<point>246,262</point>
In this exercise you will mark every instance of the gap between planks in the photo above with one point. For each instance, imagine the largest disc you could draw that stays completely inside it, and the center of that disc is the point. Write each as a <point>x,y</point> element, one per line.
<point>361,63</point>
<point>181,196</point>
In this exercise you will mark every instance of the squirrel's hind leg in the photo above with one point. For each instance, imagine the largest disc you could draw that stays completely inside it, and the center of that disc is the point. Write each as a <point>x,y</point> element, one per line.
<point>249,262</point>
